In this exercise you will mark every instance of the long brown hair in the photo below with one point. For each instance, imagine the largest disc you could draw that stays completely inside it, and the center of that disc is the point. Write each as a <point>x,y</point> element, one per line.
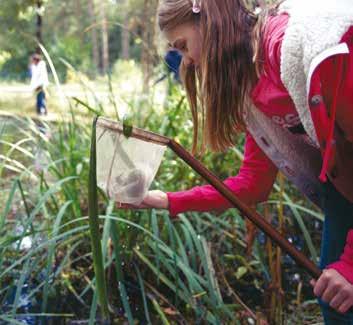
<point>218,91</point>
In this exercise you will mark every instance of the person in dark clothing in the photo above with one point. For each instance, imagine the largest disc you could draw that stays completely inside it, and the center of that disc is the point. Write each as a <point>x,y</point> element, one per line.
<point>173,60</point>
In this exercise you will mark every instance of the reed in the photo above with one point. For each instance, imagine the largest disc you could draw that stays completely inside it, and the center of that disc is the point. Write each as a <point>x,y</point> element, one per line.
<point>189,270</point>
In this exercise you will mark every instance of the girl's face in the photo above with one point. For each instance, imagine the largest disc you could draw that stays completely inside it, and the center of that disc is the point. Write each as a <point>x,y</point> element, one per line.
<point>186,39</point>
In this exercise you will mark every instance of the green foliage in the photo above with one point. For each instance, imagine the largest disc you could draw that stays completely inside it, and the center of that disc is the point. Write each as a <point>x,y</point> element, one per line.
<point>188,270</point>
<point>71,49</point>
<point>66,33</point>
<point>16,37</point>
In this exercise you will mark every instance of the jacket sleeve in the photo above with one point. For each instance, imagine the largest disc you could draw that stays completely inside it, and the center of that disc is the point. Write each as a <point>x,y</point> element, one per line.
<point>345,265</point>
<point>253,184</point>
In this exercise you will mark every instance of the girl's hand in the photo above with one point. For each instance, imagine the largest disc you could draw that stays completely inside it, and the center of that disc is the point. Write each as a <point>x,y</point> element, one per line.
<point>154,199</point>
<point>334,289</point>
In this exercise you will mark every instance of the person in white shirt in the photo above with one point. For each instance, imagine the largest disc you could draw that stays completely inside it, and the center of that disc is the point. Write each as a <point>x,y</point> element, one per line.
<point>39,81</point>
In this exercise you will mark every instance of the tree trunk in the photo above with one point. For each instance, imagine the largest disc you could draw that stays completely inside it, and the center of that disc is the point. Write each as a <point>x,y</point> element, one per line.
<point>105,45</point>
<point>39,25</point>
<point>125,40</point>
<point>94,36</point>
<point>148,50</point>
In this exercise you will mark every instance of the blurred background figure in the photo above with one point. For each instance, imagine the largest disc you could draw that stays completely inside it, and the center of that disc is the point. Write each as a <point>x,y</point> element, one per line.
<point>172,61</point>
<point>39,81</point>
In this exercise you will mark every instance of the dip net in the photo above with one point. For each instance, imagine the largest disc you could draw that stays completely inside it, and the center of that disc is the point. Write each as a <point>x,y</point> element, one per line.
<point>128,158</point>
<point>126,165</point>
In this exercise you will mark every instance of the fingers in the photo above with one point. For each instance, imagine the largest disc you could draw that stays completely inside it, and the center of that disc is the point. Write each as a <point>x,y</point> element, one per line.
<point>331,291</point>
<point>126,206</point>
<point>345,306</point>
<point>153,199</point>
<point>338,299</point>
<point>321,284</point>
<point>335,290</point>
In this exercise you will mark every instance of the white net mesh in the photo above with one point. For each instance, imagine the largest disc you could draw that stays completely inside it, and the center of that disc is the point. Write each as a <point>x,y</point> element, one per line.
<point>126,167</point>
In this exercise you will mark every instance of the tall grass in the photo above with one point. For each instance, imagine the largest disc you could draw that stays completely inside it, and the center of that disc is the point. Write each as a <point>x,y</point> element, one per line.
<point>190,270</point>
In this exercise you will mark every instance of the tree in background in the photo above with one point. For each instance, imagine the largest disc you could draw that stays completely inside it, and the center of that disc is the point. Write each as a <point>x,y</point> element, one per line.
<point>89,34</point>
<point>17,37</point>
<point>39,11</point>
<point>94,36</point>
<point>105,36</point>
<point>62,31</point>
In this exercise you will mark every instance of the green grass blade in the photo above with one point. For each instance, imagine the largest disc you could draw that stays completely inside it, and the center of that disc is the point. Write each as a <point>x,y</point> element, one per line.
<point>93,310</point>
<point>202,255</point>
<point>8,205</point>
<point>50,258</point>
<point>143,294</point>
<point>119,272</point>
<point>173,247</point>
<point>94,228</point>
<point>19,286</point>
<point>155,231</point>
<point>82,103</point>
<point>10,320</point>
<point>169,283</point>
<point>160,312</point>
<point>190,246</point>
<point>302,226</point>
<point>319,216</point>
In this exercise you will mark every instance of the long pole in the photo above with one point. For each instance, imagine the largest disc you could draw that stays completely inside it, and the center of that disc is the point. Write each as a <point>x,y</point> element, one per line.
<point>246,211</point>
<point>223,189</point>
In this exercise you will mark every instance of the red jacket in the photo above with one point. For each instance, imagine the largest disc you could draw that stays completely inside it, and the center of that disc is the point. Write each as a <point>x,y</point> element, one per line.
<point>257,173</point>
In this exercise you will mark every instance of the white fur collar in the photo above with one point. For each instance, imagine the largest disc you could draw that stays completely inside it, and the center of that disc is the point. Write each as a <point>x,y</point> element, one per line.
<point>314,26</point>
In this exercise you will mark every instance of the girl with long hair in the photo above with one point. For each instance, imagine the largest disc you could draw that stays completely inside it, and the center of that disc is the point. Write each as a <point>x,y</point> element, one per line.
<point>285,77</point>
